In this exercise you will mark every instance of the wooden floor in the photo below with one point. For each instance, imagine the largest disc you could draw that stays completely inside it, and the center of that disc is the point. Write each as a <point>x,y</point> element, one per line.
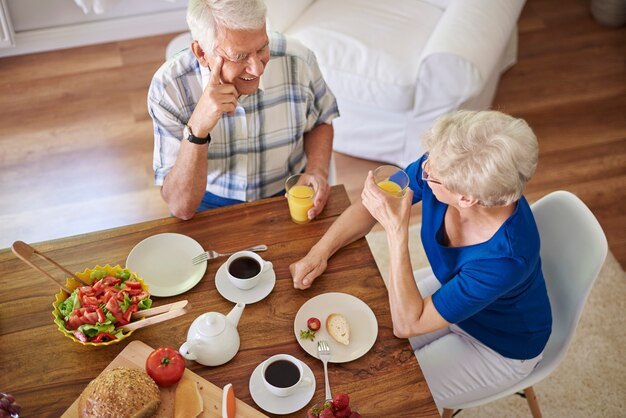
<point>76,140</point>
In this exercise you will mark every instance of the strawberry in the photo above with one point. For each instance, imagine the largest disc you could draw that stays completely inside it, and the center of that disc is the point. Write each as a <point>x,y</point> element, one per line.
<point>341,401</point>
<point>327,413</point>
<point>343,413</point>
<point>355,415</point>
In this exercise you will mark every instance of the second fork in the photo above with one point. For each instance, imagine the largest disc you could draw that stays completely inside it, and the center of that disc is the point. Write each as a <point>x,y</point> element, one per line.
<point>211,254</point>
<point>323,350</point>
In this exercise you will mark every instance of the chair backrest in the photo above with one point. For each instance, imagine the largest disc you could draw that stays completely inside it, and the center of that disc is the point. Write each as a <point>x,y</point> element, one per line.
<point>573,250</point>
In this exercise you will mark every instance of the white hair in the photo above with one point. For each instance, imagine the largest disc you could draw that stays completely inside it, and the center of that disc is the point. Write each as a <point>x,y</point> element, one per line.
<point>487,155</point>
<point>205,17</point>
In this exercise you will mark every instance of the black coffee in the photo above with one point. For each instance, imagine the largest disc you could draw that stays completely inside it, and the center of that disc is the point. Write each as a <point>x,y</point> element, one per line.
<point>244,268</point>
<point>282,374</point>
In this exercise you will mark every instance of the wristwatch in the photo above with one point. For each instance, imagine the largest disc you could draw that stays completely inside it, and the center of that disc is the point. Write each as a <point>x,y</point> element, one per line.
<point>189,136</point>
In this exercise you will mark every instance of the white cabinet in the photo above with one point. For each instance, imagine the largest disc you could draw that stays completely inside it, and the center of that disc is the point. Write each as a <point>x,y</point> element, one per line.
<point>28,26</point>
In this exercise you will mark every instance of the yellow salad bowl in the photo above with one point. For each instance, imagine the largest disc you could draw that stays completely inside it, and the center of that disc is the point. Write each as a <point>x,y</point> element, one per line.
<point>72,284</point>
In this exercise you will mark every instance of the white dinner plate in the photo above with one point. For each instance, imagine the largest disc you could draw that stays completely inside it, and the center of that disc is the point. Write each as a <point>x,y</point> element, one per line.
<point>360,317</point>
<point>232,293</point>
<point>163,261</point>
<point>273,404</point>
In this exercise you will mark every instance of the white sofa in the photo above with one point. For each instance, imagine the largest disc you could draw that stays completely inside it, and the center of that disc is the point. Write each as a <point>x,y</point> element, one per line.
<point>396,65</point>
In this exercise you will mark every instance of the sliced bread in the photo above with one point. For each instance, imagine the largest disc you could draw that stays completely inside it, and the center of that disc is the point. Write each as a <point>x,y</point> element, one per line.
<point>187,399</point>
<point>338,327</point>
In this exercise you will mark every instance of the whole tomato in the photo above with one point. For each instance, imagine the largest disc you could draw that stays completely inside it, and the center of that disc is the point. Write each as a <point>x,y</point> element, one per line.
<point>165,366</point>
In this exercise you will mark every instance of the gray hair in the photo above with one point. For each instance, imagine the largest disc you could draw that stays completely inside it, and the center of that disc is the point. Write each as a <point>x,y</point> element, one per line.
<point>487,155</point>
<point>204,17</point>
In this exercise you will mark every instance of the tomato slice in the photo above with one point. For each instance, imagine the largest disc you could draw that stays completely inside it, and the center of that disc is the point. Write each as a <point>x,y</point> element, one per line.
<point>103,337</point>
<point>101,316</point>
<point>129,312</point>
<point>133,284</point>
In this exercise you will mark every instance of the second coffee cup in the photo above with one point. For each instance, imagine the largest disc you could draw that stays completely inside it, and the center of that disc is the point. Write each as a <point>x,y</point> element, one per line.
<point>246,268</point>
<point>283,374</point>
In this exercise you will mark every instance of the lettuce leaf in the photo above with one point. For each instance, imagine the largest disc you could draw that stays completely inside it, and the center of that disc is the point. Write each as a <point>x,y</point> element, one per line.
<point>68,305</point>
<point>144,304</point>
<point>92,330</point>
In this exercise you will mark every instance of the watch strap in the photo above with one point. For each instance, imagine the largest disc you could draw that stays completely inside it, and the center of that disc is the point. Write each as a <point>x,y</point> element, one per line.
<point>189,136</point>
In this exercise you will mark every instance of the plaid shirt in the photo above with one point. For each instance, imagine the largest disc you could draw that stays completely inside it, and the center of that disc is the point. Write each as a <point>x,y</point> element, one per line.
<point>254,151</point>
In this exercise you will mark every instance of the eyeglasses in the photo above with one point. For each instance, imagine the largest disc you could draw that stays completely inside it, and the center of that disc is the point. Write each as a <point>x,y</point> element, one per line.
<point>426,172</point>
<point>243,58</point>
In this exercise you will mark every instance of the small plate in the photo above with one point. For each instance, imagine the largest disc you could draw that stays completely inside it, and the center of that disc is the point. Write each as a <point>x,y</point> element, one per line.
<point>363,325</point>
<point>236,295</point>
<point>275,404</point>
<point>164,262</point>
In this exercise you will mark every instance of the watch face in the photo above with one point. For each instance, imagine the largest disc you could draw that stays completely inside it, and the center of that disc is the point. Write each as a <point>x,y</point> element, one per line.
<point>186,133</point>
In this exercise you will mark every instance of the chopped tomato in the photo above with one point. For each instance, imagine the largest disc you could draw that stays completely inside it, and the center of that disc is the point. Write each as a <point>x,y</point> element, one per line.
<point>133,292</point>
<point>129,312</point>
<point>111,281</point>
<point>103,337</point>
<point>133,284</point>
<point>136,299</point>
<point>101,317</point>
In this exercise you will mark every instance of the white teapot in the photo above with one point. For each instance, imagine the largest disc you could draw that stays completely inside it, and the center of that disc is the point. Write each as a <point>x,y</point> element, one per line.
<point>212,338</point>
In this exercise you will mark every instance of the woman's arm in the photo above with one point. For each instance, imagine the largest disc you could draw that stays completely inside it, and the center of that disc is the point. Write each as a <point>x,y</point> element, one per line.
<point>410,313</point>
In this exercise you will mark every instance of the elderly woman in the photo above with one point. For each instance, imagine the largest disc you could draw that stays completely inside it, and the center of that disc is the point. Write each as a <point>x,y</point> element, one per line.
<point>479,318</point>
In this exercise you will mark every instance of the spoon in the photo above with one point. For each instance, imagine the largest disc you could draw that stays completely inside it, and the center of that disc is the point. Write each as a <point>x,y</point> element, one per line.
<point>24,252</point>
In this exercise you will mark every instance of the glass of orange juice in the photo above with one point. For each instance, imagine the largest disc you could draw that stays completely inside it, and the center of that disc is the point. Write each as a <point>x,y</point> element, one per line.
<point>300,198</point>
<point>391,179</point>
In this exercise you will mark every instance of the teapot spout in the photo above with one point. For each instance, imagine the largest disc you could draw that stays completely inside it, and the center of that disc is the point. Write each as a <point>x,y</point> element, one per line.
<point>186,350</point>
<point>235,314</point>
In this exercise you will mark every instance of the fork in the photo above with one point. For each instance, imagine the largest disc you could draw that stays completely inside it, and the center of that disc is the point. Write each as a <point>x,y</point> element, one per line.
<point>323,351</point>
<point>210,254</point>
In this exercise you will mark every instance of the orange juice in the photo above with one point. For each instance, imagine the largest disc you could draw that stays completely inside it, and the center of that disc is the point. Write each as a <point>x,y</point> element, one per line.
<point>391,187</point>
<point>300,199</point>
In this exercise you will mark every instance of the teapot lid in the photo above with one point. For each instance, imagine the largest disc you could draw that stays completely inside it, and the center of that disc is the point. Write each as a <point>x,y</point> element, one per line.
<point>211,324</point>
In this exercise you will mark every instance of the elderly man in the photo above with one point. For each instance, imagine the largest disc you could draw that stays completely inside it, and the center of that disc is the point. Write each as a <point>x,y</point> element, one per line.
<point>238,112</point>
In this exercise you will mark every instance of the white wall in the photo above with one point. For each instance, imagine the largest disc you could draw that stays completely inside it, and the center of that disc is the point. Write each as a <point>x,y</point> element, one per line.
<point>42,25</point>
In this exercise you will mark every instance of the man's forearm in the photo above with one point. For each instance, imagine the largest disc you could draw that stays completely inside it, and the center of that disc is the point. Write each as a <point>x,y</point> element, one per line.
<point>318,147</point>
<point>185,184</point>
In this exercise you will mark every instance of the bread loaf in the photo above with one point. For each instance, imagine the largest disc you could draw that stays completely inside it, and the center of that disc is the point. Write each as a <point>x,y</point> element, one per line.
<point>338,327</point>
<point>120,393</point>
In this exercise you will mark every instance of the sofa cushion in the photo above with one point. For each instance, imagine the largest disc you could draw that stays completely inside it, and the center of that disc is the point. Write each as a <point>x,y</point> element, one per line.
<point>369,50</point>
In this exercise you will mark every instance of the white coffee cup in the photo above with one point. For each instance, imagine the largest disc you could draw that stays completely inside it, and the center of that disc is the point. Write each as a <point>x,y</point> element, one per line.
<point>246,268</point>
<point>283,374</point>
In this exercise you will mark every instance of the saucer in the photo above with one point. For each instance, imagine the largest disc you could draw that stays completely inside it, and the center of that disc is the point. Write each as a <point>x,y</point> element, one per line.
<point>275,404</point>
<point>232,293</point>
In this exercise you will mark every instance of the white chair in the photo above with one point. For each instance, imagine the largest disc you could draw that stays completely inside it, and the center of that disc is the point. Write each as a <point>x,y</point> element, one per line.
<point>573,249</point>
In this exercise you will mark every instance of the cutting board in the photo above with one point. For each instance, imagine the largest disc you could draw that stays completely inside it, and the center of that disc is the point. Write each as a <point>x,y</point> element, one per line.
<point>135,355</point>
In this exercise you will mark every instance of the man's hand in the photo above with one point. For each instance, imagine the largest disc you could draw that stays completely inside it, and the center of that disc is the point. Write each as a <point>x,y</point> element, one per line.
<point>217,98</point>
<point>306,270</point>
<point>393,213</point>
<point>319,182</point>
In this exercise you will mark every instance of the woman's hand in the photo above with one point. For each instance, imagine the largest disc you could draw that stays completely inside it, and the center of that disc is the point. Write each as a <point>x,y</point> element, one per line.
<point>306,270</point>
<point>392,212</point>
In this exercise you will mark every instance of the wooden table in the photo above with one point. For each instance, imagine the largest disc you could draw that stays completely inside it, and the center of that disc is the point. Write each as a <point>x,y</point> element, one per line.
<point>46,372</point>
